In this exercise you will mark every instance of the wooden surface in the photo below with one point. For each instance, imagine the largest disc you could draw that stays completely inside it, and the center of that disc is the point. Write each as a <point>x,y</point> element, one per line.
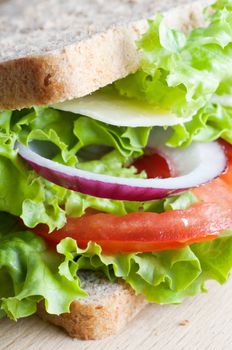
<point>200,323</point>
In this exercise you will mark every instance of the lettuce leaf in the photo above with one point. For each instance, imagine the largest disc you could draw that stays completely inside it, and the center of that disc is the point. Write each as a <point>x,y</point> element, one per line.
<point>129,142</point>
<point>182,72</point>
<point>29,273</point>
<point>211,122</point>
<point>162,277</point>
<point>221,4</point>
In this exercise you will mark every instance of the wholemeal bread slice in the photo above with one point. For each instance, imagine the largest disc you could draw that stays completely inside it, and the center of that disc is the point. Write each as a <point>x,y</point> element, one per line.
<point>107,309</point>
<point>58,50</point>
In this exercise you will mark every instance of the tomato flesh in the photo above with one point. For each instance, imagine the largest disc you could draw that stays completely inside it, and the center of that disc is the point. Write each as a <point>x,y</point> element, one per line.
<point>146,232</point>
<point>154,165</point>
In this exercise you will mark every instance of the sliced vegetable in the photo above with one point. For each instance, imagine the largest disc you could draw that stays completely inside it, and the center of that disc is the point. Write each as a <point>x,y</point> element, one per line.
<point>197,164</point>
<point>153,232</point>
<point>154,165</point>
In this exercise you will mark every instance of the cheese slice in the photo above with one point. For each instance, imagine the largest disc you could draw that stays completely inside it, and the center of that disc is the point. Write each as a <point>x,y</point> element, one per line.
<point>111,108</point>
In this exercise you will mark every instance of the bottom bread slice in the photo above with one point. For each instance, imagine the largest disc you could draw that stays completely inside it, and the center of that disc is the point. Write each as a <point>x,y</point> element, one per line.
<point>107,309</point>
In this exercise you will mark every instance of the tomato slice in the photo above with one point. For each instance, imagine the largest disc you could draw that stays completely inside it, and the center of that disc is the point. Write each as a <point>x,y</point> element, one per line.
<point>146,232</point>
<point>154,165</point>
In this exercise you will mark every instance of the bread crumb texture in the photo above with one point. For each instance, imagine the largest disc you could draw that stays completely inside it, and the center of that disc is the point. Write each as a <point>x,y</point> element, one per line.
<point>107,309</point>
<point>57,50</point>
<point>183,322</point>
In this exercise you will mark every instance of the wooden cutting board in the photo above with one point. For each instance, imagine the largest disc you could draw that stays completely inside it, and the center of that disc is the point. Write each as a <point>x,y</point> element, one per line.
<point>200,323</point>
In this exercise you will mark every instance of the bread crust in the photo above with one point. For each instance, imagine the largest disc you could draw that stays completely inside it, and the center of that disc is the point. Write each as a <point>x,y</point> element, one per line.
<point>99,318</point>
<point>73,71</point>
<point>79,69</point>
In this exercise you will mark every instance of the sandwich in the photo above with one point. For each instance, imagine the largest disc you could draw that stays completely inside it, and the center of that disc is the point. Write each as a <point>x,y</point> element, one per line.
<point>115,158</point>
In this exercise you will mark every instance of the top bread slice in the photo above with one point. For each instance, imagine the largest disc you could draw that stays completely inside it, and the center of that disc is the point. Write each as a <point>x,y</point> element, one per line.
<point>53,51</point>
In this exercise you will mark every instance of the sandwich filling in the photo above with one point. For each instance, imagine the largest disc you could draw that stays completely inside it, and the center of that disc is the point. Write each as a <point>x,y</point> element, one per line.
<point>134,181</point>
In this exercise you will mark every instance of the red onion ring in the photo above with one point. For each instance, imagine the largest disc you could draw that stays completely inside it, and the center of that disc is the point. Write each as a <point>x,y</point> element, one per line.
<point>197,164</point>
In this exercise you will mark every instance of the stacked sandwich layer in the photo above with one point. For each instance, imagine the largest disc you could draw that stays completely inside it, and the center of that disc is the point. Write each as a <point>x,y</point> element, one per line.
<point>166,244</point>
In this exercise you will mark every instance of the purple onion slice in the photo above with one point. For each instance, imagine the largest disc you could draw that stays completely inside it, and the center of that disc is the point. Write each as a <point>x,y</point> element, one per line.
<point>195,165</point>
